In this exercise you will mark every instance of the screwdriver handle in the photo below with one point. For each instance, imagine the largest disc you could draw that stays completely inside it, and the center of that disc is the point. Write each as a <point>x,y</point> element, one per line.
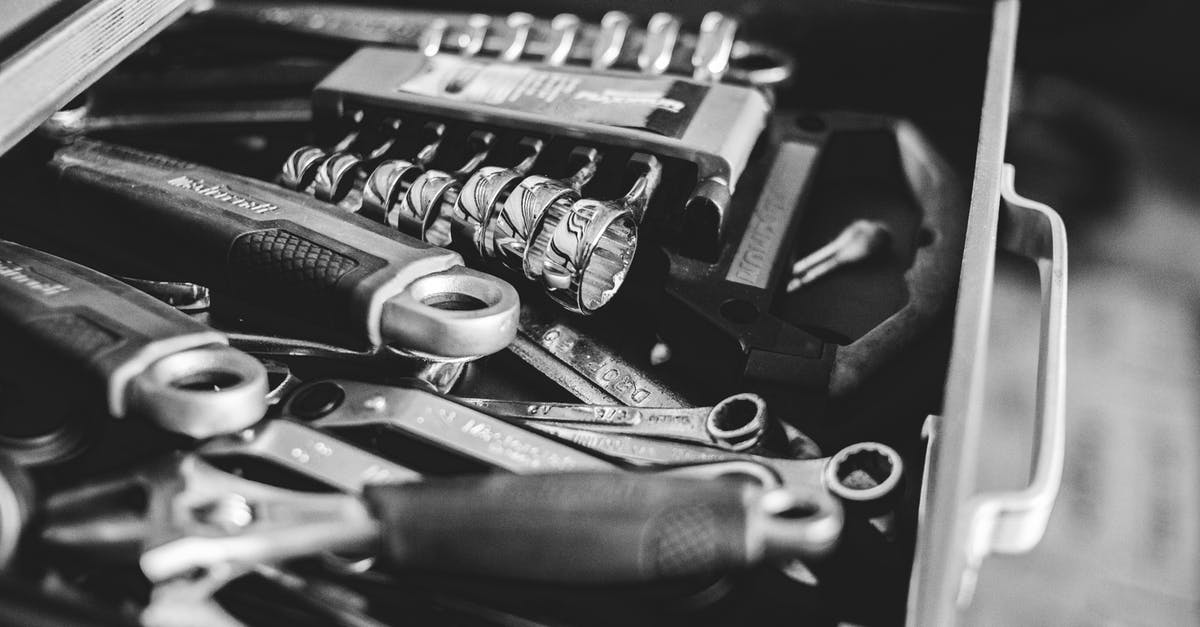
<point>254,241</point>
<point>583,527</point>
<point>61,320</point>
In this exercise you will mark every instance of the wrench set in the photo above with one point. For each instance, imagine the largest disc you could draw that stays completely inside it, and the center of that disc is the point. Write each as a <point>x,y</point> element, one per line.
<point>530,306</point>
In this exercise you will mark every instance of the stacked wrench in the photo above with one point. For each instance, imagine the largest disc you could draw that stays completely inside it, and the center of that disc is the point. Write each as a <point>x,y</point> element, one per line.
<point>539,447</point>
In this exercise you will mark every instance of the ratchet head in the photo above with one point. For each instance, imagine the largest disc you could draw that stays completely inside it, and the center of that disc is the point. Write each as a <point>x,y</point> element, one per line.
<point>458,314</point>
<point>201,392</point>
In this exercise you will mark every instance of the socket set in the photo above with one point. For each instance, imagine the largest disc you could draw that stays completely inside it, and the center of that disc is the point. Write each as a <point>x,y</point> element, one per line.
<point>502,191</point>
<point>370,316</point>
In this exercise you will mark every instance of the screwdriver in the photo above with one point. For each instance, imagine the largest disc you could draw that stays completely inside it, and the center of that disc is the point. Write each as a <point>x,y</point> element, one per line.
<point>857,242</point>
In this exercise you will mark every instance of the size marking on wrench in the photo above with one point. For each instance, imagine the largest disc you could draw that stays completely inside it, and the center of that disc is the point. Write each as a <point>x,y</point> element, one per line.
<point>438,421</point>
<point>736,423</point>
<point>597,364</point>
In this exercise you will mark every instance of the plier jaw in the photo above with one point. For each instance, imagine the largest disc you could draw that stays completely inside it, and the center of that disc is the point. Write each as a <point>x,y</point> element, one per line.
<point>181,515</point>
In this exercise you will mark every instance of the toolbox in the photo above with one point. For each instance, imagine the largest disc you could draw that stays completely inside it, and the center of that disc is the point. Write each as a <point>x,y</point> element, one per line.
<point>649,250</point>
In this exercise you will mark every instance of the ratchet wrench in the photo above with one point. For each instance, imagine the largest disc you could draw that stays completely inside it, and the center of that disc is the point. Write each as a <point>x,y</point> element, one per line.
<point>736,423</point>
<point>131,354</point>
<point>278,250</point>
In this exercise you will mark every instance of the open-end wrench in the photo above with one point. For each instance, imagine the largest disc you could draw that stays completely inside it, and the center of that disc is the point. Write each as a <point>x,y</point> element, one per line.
<point>312,453</point>
<point>736,423</point>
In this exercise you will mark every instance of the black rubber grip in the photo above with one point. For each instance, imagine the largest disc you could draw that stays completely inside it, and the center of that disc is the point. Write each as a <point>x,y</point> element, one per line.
<point>570,528</point>
<point>288,270</point>
<point>278,250</point>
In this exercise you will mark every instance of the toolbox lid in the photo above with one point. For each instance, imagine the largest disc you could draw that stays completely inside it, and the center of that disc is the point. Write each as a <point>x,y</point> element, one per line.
<point>51,50</point>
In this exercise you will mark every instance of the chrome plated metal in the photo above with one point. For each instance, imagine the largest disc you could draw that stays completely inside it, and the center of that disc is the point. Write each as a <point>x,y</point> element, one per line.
<point>564,29</point>
<point>714,46</point>
<point>312,453</point>
<point>662,32</point>
<point>736,423</point>
<point>450,425</point>
<point>614,28</point>
<point>519,25</point>
<point>585,366</point>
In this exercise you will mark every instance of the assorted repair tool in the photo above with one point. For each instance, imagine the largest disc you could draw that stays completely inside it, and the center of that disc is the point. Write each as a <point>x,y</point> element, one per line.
<point>280,251</point>
<point>330,332</point>
<point>122,349</point>
<point>736,423</point>
<point>576,527</point>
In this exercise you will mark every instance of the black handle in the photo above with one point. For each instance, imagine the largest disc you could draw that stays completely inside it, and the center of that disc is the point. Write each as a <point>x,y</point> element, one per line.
<point>571,528</point>
<point>256,242</point>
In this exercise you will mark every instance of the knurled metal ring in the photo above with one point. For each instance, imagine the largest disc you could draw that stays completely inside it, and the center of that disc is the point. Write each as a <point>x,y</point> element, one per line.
<point>478,202</point>
<point>298,169</point>
<point>586,253</point>
<point>383,186</point>
<point>422,206</point>
<point>521,215</point>
<point>335,176</point>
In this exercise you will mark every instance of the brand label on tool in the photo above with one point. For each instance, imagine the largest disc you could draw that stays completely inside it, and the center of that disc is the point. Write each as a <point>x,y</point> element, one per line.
<point>759,248</point>
<point>660,105</point>
<point>30,279</point>
<point>222,194</point>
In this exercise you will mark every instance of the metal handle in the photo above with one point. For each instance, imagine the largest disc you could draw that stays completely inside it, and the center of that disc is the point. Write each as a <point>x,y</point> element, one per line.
<point>1014,521</point>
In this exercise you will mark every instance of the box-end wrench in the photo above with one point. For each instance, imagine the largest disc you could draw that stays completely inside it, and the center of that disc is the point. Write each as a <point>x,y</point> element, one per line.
<point>866,477</point>
<point>278,250</point>
<point>464,430</point>
<point>192,298</point>
<point>736,423</point>
<point>130,353</point>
